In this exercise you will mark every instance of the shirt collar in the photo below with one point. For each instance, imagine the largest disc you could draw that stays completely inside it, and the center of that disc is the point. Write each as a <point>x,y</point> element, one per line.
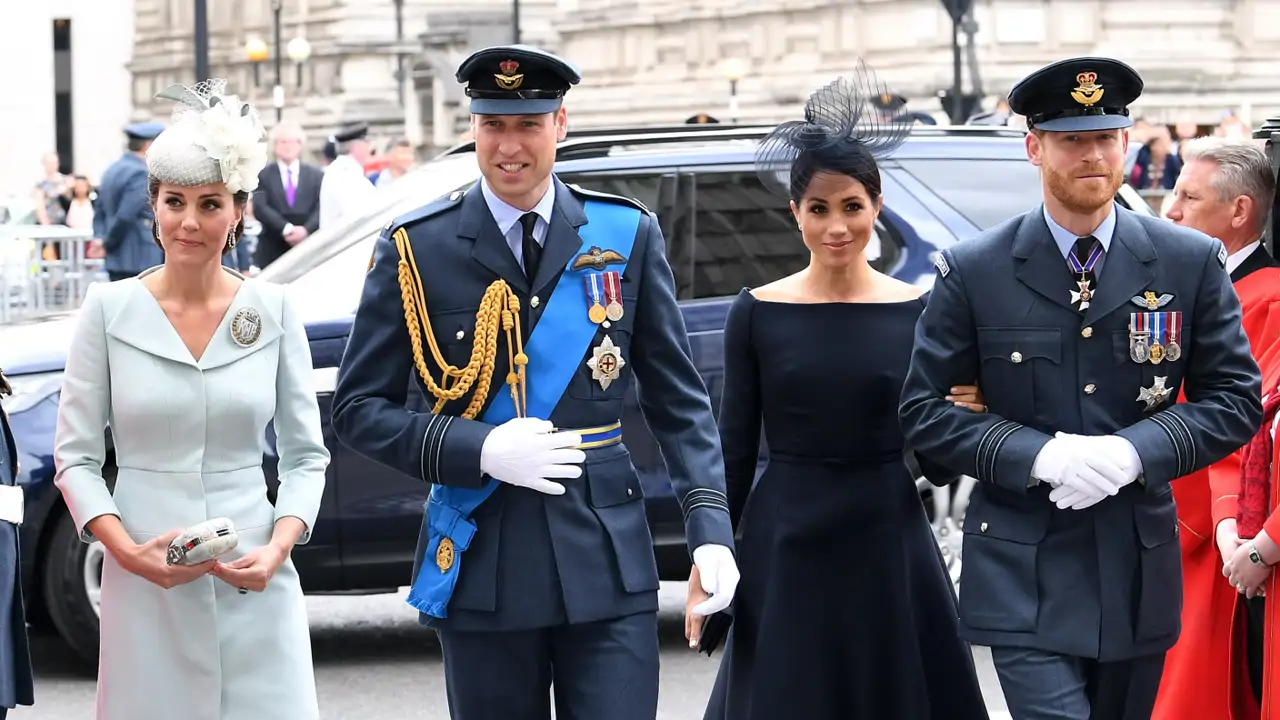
<point>1066,240</point>
<point>1237,258</point>
<point>507,215</point>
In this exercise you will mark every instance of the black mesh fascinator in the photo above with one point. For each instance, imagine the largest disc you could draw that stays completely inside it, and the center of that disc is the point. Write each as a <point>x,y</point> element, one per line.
<point>844,130</point>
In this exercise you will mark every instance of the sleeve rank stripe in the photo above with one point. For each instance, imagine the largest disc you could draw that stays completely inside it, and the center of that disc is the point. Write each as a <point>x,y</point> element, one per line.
<point>1190,440</point>
<point>439,445</point>
<point>711,494</point>
<point>989,448</point>
<point>694,506</point>
<point>430,450</point>
<point>700,497</point>
<point>1180,437</point>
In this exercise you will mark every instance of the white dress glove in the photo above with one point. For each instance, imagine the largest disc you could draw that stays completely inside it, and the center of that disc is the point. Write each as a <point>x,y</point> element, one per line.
<point>1080,475</point>
<point>719,574</point>
<point>1102,465</point>
<point>525,452</point>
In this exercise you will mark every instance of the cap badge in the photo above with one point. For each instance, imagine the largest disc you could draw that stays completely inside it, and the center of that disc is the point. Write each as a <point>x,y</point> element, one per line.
<point>1087,92</point>
<point>509,80</point>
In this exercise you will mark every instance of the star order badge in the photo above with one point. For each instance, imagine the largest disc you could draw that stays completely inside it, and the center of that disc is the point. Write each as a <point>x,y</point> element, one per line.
<point>246,327</point>
<point>1082,294</point>
<point>606,363</point>
<point>1155,394</point>
<point>444,555</point>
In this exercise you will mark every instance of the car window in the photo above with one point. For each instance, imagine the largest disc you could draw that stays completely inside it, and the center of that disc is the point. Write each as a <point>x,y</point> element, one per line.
<point>986,192</point>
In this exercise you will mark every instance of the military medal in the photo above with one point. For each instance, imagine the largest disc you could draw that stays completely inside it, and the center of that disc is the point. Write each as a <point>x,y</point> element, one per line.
<point>1172,350</point>
<point>1138,336</point>
<point>1083,292</point>
<point>596,312</point>
<point>606,363</point>
<point>1157,336</point>
<point>613,295</point>
<point>1155,394</point>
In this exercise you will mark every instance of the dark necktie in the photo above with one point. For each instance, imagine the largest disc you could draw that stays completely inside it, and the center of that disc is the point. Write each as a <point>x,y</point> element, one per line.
<point>1084,246</point>
<point>529,248</point>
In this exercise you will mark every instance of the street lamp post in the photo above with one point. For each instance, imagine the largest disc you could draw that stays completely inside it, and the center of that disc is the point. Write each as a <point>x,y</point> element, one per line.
<point>515,21</point>
<point>299,50</point>
<point>202,40</point>
<point>256,50</point>
<point>277,92</point>
<point>734,69</point>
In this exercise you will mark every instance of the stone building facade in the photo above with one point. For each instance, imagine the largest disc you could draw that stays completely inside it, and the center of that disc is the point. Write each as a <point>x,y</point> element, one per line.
<point>661,61</point>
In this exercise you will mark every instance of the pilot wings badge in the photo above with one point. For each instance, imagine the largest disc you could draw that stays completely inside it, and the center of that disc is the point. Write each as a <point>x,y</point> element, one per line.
<point>598,259</point>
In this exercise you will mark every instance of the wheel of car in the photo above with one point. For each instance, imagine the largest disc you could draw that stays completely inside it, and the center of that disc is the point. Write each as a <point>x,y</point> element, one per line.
<point>946,508</point>
<point>73,587</point>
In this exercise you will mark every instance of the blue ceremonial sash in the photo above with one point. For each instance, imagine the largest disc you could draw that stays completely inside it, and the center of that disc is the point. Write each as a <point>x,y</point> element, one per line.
<point>555,348</point>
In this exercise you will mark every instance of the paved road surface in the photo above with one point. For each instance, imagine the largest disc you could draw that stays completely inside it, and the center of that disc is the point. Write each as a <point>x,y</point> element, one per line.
<point>373,661</point>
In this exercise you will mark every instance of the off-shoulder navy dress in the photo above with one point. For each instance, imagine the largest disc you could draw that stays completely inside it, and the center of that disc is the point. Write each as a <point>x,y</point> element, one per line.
<point>845,610</point>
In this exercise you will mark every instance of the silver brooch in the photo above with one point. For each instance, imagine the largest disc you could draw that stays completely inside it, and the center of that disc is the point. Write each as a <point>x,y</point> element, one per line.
<point>246,327</point>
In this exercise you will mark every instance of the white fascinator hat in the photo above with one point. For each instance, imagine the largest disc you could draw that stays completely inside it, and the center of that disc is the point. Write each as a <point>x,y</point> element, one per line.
<point>213,137</point>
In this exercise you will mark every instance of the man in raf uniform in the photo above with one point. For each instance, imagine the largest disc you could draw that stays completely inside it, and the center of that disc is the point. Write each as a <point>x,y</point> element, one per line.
<point>536,304</point>
<point>1082,321</point>
<point>122,217</point>
<point>16,682</point>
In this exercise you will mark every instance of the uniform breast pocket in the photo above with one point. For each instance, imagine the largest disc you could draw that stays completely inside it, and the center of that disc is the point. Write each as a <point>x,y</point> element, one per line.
<point>1019,371</point>
<point>455,335</point>
<point>605,370</point>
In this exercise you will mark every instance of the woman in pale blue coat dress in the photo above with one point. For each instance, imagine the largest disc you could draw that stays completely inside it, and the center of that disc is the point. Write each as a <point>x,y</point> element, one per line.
<point>189,362</point>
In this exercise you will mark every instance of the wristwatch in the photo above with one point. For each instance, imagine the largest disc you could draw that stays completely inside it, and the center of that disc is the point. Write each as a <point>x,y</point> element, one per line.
<point>1254,556</point>
<point>287,228</point>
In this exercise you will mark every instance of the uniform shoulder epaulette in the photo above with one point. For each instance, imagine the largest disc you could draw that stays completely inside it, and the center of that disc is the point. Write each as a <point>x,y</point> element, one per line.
<point>609,197</point>
<point>431,209</point>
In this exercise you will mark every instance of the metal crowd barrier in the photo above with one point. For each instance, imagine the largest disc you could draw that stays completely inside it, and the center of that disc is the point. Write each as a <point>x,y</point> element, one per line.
<point>44,269</point>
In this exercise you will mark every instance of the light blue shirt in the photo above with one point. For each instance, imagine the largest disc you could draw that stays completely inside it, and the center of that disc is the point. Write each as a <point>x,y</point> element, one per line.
<point>1066,240</point>
<point>508,218</point>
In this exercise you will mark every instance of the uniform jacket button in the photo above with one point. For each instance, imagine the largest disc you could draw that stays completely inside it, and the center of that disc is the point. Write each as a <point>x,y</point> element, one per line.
<point>1016,357</point>
<point>1088,389</point>
<point>534,301</point>
<point>1087,332</point>
<point>982,527</point>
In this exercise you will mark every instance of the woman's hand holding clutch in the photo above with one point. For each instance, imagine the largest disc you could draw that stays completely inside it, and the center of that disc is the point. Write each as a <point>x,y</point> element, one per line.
<point>254,569</point>
<point>150,562</point>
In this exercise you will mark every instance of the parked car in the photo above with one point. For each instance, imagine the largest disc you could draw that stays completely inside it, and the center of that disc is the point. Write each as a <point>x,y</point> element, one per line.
<point>724,231</point>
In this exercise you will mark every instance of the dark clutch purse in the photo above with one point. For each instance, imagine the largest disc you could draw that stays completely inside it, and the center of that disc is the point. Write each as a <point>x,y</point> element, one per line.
<point>715,627</point>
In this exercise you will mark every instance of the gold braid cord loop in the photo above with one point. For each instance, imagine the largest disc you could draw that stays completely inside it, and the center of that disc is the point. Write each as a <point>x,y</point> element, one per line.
<point>499,310</point>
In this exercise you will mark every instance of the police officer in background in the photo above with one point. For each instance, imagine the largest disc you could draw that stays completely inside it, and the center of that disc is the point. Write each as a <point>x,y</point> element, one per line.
<point>532,305</point>
<point>16,683</point>
<point>122,217</point>
<point>345,192</point>
<point>1082,320</point>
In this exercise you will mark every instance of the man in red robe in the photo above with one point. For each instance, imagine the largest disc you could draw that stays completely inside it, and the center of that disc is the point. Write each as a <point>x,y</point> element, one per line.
<point>1226,189</point>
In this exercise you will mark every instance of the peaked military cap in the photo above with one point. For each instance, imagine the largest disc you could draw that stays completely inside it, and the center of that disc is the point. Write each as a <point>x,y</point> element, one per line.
<point>144,130</point>
<point>1077,95</point>
<point>352,132</point>
<point>516,80</point>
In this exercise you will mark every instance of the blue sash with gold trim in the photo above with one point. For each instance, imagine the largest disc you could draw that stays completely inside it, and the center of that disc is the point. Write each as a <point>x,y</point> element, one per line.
<point>556,346</point>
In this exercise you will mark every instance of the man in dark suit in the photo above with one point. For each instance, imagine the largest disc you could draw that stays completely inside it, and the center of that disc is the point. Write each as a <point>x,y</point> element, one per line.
<point>122,216</point>
<point>287,201</point>
<point>16,684</point>
<point>535,560</point>
<point>1082,321</point>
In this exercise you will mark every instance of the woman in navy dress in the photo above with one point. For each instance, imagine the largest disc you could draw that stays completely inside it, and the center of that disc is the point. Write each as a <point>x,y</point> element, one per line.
<point>844,610</point>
